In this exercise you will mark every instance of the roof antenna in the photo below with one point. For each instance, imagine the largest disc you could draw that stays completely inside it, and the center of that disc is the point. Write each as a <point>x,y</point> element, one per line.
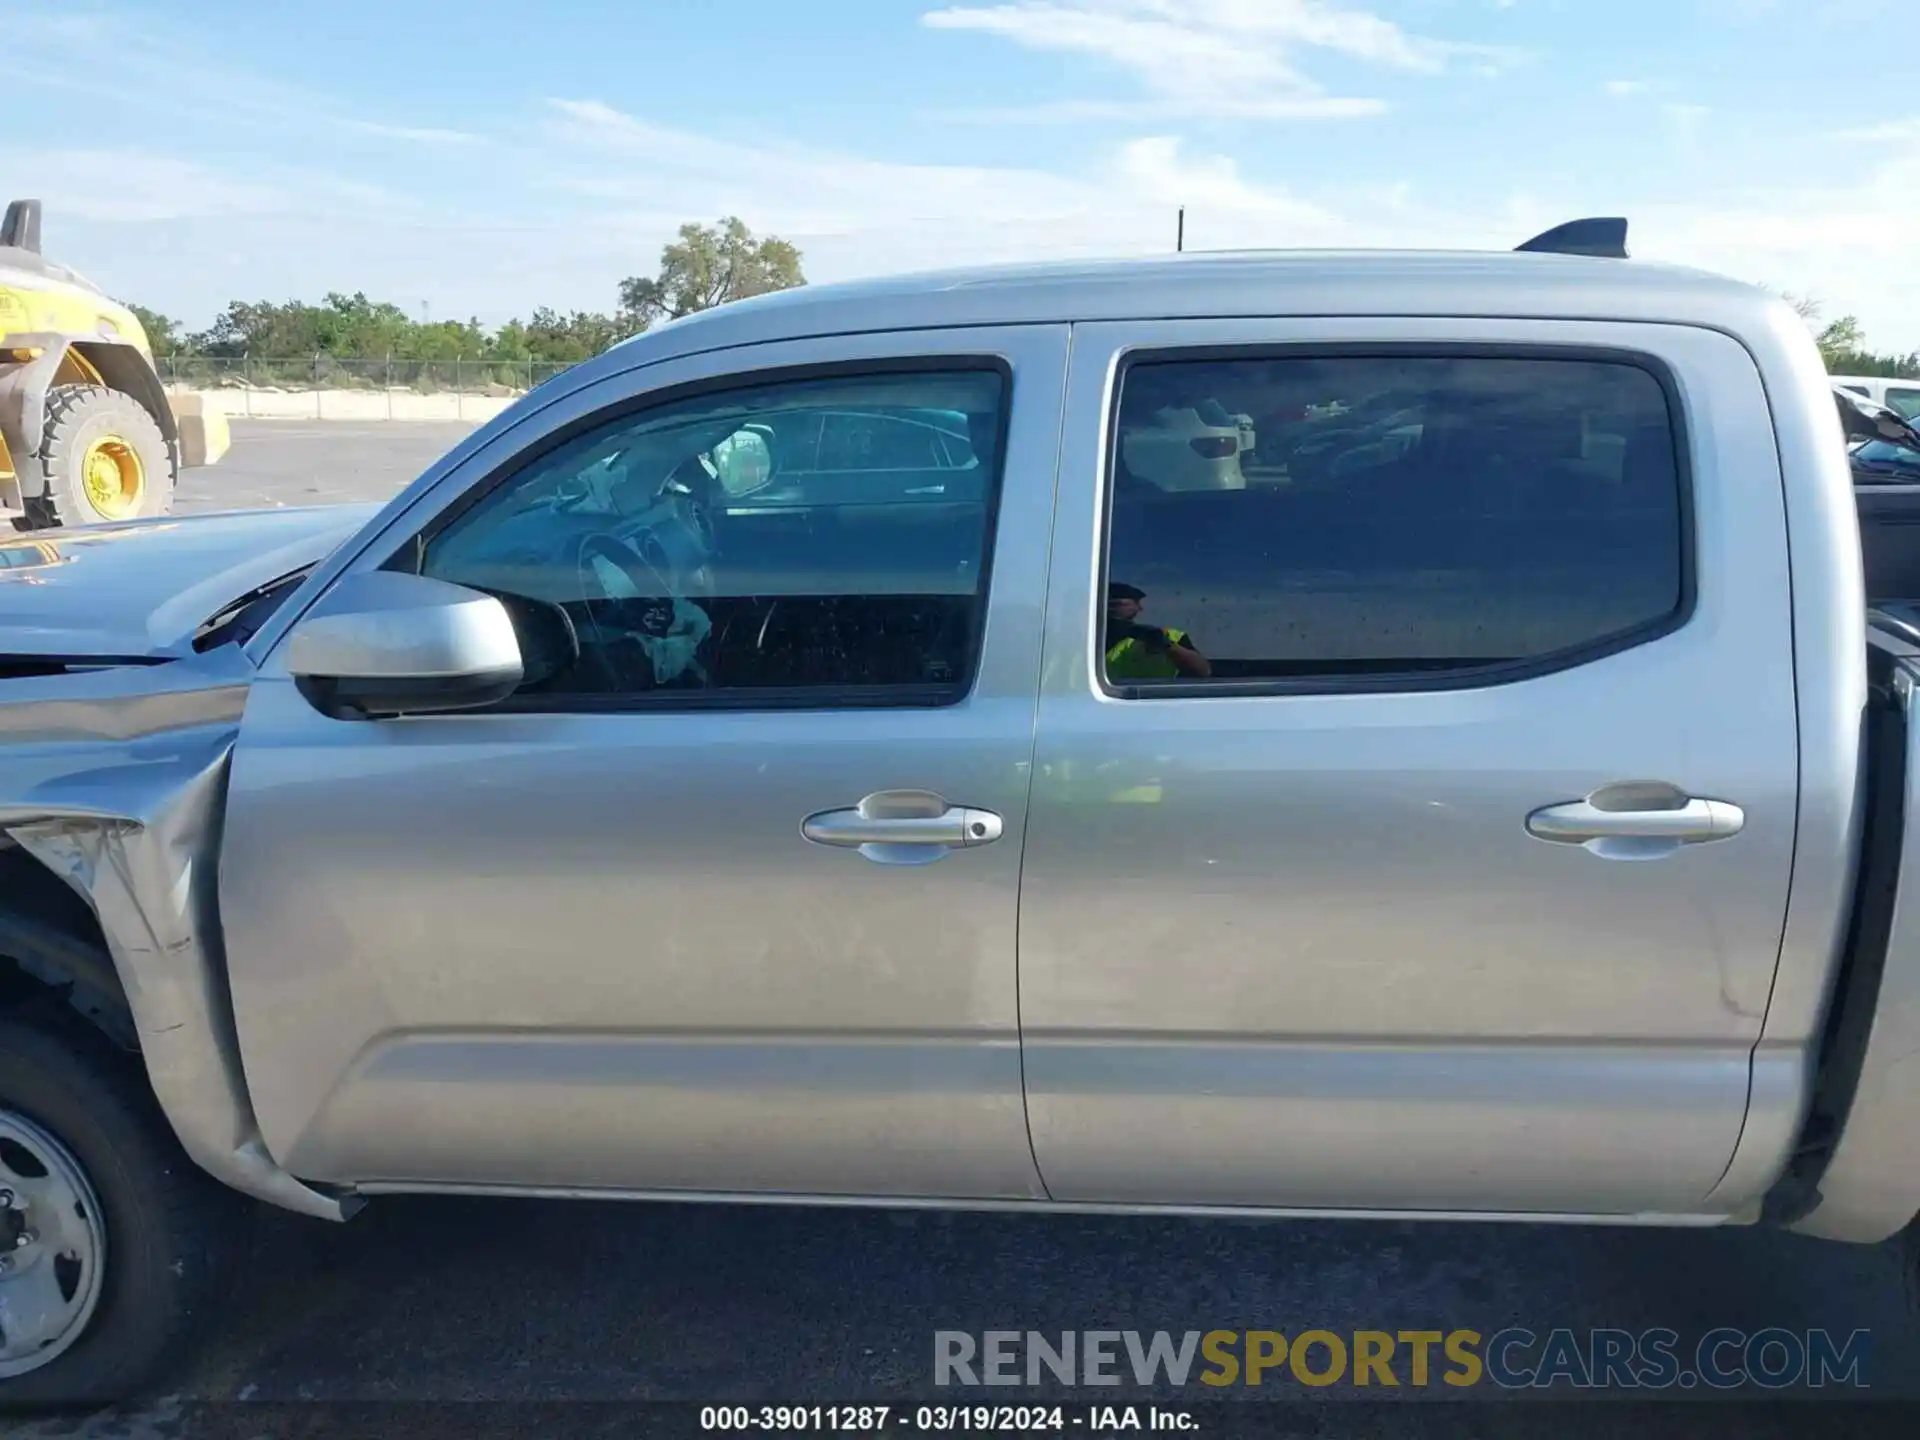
<point>1180,232</point>
<point>1602,237</point>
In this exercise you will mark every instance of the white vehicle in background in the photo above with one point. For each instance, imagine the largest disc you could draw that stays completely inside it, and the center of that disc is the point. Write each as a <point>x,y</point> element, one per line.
<point>1249,440</point>
<point>1900,396</point>
<point>1181,450</point>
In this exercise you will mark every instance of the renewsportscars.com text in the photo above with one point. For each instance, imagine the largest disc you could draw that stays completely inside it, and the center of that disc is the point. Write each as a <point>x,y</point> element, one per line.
<point>1512,1359</point>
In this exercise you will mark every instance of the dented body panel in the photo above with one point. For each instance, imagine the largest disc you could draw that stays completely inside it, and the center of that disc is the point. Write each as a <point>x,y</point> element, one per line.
<point>115,780</point>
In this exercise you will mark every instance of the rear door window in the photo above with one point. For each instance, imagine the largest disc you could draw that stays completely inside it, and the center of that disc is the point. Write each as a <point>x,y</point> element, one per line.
<point>1405,518</point>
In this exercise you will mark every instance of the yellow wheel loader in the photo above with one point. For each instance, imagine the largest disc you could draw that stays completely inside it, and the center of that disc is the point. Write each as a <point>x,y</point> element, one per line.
<point>87,431</point>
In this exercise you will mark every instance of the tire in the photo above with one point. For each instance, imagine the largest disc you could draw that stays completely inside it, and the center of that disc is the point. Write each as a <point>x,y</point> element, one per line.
<point>86,421</point>
<point>169,1231</point>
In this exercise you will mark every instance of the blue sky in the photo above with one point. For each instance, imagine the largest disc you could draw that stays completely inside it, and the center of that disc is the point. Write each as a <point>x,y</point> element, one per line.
<point>484,157</point>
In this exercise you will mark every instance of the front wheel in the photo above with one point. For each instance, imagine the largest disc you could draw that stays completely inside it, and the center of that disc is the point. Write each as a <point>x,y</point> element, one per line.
<point>114,1246</point>
<point>105,458</point>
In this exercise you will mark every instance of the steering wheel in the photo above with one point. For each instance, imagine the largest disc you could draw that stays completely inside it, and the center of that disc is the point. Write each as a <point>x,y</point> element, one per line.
<point>652,572</point>
<point>598,633</point>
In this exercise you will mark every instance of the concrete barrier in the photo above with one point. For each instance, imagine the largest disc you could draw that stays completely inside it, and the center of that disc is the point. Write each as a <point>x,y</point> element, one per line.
<point>204,436</point>
<point>268,404</point>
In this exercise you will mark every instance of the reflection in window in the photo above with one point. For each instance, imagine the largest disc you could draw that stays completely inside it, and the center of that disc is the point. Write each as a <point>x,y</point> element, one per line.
<point>1391,515</point>
<point>708,547</point>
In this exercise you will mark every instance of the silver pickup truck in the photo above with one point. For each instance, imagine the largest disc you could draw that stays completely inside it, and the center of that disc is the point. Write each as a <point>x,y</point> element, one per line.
<point>795,757</point>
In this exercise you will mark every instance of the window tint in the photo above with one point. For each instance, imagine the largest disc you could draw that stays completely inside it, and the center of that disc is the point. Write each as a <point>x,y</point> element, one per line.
<point>1904,400</point>
<point>1393,515</point>
<point>699,550</point>
<point>877,442</point>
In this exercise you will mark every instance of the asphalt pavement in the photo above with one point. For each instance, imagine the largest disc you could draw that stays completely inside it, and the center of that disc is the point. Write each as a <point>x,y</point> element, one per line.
<point>437,1311</point>
<point>427,1303</point>
<point>297,462</point>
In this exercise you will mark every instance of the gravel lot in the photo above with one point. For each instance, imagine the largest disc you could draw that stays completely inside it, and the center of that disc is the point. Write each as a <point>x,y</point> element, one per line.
<point>442,1300</point>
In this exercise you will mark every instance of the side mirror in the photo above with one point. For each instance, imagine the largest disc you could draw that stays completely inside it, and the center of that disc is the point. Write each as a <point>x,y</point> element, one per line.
<point>745,460</point>
<point>1862,419</point>
<point>388,643</point>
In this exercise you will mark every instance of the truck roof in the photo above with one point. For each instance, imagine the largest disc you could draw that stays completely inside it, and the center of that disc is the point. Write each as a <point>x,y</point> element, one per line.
<point>1226,284</point>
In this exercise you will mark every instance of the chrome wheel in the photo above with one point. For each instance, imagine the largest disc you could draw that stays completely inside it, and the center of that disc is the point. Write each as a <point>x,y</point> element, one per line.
<point>53,1244</point>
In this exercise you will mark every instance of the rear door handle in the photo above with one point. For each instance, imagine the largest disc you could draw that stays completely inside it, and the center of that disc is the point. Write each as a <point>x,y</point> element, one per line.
<point>1637,832</point>
<point>903,827</point>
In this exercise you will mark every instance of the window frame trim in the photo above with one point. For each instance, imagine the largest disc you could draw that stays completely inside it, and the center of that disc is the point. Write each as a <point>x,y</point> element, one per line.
<point>771,699</point>
<point>1400,681</point>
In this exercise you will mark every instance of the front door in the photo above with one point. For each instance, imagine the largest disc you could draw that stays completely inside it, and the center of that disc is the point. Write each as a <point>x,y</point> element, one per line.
<point>1414,795</point>
<point>728,903</point>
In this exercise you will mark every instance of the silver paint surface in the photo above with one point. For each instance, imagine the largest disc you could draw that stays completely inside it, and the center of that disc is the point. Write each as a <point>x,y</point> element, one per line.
<point>142,587</point>
<point>1277,954</point>
<point>114,781</point>
<point>1300,950</point>
<point>615,960</point>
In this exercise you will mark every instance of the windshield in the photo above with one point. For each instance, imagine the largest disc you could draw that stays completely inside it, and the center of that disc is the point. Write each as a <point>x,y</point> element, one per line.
<point>1884,454</point>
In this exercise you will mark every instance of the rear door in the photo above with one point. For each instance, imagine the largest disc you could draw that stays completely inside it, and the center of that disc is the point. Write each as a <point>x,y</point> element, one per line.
<point>1453,877</point>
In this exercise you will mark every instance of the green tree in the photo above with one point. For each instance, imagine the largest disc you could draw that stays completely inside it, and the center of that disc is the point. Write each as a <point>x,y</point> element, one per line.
<point>1839,337</point>
<point>163,332</point>
<point>1842,342</point>
<point>707,266</point>
<point>550,337</point>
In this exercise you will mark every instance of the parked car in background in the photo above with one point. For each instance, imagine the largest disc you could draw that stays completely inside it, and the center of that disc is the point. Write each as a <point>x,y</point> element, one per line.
<point>1178,448</point>
<point>1334,438</point>
<point>1214,413</point>
<point>1901,396</point>
<point>1877,462</point>
<point>1529,828</point>
<point>1883,453</point>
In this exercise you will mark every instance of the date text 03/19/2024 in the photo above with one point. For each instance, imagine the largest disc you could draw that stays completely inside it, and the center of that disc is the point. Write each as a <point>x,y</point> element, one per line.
<point>944,1419</point>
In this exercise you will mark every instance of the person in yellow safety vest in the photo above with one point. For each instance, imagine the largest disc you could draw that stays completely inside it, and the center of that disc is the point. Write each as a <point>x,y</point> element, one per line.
<point>1146,652</point>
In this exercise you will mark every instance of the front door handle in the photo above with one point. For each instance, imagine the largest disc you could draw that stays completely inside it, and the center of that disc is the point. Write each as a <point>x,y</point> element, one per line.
<point>903,827</point>
<point>1637,822</point>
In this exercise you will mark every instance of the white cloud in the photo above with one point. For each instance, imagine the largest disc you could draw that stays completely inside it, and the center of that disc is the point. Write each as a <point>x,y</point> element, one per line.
<point>134,185</point>
<point>1139,112</point>
<point>1846,239</point>
<point>1238,58</point>
<point>589,194</point>
<point>596,191</point>
<point>1687,120</point>
<point>120,185</point>
<point>419,134</point>
<point>654,174</point>
<point>1896,132</point>
<point>1623,88</point>
<point>178,76</point>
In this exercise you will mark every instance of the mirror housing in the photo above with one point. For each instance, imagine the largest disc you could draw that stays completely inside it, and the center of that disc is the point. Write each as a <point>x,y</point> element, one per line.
<point>747,460</point>
<point>1862,419</point>
<point>388,643</point>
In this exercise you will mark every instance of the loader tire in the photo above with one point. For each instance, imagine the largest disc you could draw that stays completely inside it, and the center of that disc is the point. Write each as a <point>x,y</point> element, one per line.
<point>129,1247</point>
<point>104,457</point>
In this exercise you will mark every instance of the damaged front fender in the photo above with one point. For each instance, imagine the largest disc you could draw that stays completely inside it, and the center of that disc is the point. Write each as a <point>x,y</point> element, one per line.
<point>116,779</point>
